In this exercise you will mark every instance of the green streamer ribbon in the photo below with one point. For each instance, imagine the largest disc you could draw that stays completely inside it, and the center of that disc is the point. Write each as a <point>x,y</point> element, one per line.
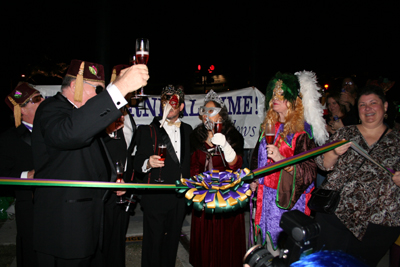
<point>179,186</point>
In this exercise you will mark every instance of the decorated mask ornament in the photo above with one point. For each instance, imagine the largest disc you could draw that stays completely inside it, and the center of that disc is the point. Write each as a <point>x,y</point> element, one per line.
<point>283,86</point>
<point>210,112</point>
<point>278,91</point>
<point>169,100</point>
<point>174,101</point>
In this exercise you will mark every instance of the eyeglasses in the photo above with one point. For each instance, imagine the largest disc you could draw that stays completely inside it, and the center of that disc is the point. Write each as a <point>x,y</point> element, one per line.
<point>348,83</point>
<point>34,99</point>
<point>98,88</point>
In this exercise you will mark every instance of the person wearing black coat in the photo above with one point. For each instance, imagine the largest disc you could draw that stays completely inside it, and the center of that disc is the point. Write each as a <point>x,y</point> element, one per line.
<point>67,145</point>
<point>16,160</point>
<point>163,209</point>
<point>116,214</point>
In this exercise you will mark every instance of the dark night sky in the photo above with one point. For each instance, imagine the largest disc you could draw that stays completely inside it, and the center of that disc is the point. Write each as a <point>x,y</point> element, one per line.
<point>246,42</point>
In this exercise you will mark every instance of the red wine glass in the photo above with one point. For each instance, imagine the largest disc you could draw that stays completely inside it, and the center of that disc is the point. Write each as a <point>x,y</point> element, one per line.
<point>162,152</point>
<point>119,168</point>
<point>270,133</point>
<point>142,55</point>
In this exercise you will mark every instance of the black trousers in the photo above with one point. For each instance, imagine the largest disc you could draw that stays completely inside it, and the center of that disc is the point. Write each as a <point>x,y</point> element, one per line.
<point>373,246</point>
<point>26,256</point>
<point>115,227</point>
<point>161,234</point>
<point>46,260</point>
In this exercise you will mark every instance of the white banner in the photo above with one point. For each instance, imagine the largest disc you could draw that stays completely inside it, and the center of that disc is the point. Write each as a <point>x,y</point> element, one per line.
<point>245,106</point>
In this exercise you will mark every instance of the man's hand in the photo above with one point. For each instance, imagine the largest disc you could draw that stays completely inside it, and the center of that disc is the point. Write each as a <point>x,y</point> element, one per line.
<point>132,78</point>
<point>31,174</point>
<point>120,192</point>
<point>116,125</point>
<point>155,162</point>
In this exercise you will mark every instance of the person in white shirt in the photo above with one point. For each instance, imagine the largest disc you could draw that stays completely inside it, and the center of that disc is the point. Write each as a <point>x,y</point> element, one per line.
<point>163,210</point>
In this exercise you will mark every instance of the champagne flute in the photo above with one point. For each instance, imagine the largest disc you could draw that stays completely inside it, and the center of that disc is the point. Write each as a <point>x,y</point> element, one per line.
<point>142,55</point>
<point>270,133</point>
<point>119,168</point>
<point>135,95</point>
<point>162,152</point>
<point>217,127</point>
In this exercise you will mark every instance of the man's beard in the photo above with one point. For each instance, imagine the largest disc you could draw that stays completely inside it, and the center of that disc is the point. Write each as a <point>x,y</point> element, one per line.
<point>172,117</point>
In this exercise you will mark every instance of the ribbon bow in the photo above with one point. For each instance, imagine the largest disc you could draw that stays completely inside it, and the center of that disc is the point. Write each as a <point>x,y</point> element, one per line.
<point>177,124</point>
<point>216,191</point>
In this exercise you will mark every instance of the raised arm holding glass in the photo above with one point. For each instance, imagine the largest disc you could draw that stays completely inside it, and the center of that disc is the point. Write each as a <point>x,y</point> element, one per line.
<point>67,145</point>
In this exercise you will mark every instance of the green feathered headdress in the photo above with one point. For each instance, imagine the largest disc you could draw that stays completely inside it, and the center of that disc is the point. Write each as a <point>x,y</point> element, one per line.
<point>290,87</point>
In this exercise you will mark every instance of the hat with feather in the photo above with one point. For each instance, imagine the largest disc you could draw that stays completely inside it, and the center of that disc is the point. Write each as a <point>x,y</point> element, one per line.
<point>302,91</point>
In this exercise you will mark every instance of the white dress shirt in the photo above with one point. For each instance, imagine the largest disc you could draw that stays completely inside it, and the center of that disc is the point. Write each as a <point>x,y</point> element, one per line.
<point>174,135</point>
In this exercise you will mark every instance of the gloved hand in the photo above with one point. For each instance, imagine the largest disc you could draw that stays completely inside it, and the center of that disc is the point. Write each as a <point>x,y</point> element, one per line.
<point>220,140</point>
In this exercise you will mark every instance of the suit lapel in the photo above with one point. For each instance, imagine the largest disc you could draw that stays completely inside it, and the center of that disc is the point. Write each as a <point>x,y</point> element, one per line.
<point>170,147</point>
<point>167,141</point>
<point>131,145</point>
<point>182,141</point>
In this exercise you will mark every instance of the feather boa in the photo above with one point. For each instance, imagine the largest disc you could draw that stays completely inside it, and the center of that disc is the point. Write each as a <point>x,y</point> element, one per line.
<point>313,110</point>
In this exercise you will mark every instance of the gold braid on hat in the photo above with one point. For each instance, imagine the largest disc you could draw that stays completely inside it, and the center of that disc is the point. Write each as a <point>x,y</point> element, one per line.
<point>79,83</point>
<point>113,75</point>
<point>17,111</point>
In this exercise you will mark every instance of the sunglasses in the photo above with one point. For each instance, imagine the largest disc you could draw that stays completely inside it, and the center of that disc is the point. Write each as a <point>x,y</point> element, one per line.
<point>34,99</point>
<point>97,88</point>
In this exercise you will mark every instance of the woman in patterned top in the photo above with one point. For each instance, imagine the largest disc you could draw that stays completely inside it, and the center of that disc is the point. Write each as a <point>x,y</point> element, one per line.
<point>367,220</point>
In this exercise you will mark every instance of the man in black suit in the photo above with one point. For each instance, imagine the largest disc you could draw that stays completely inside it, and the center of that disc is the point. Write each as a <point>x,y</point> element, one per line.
<point>120,146</point>
<point>163,210</point>
<point>16,161</point>
<point>66,145</point>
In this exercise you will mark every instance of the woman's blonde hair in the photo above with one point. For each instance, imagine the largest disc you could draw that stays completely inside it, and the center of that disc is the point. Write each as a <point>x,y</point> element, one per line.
<point>294,120</point>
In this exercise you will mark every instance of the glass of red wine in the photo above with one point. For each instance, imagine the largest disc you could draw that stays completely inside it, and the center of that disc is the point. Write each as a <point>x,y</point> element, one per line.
<point>217,129</point>
<point>270,133</point>
<point>133,61</point>
<point>142,55</point>
<point>162,152</point>
<point>218,126</point>
<point>119,168</point>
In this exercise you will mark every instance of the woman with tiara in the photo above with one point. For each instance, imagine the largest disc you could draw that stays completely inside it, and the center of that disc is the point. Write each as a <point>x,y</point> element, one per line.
<point>216,239</point>
<point>294,111</point>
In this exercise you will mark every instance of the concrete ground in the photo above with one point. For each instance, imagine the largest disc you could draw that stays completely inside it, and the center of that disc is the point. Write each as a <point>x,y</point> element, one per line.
<point>134,235</point>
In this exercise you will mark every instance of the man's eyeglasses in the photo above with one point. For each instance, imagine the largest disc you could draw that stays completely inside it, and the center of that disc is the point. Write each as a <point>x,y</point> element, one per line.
<point>34,99</point>
<point>98,88</point>
<point>348,83</point>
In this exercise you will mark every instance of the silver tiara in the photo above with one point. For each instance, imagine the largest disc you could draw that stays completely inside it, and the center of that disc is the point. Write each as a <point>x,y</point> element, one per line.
<point>213,96</point>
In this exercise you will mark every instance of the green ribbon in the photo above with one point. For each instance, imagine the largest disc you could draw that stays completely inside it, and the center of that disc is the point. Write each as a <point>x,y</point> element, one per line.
<point>182,188</point>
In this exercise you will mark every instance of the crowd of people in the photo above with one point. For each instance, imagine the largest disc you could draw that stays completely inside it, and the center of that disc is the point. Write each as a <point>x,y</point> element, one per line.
<point>85,132</point>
